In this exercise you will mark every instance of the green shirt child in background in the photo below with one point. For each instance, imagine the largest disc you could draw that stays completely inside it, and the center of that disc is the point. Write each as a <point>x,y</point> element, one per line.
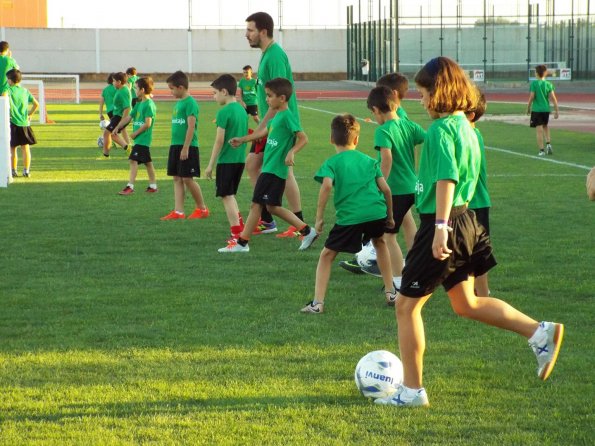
<point>247,86</point>
<point>363,208</point>
<point>7,63</point>
<point>542,92</point>
<point>120,111</point>
<point>107,98</point>
<point>132,77</point>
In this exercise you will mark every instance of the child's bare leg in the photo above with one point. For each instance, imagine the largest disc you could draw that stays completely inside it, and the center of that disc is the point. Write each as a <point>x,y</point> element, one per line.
<point>481,285</point>
<point>286,215</point>
<point>151,173</point>
<point>539,135</point>
<point>489,310</point>
<point>546,133</point>
<point>179,194</point>
<point>118,140</point>
<point>251,221</point>
<point>253,166</point>
<point>14,158</point>
<point>125,137</point>
<point>231,210</point>
<point>292,192</point>
<point>396,255</point>
<point>133,171</point>
<point>26,151</point>
<point>107,142</point>
<point>409,229</point>
<point>194,189</point>
<point>323,273</point>
<point>384,262</point>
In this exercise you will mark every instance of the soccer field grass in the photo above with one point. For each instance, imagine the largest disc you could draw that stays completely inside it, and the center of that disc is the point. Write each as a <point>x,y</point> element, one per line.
<point>118,328</point>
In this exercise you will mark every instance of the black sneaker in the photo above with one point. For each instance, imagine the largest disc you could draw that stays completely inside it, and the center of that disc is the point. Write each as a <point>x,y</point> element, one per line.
<point>25,174</point>
<point>373,270</point>
<point>14,173</point>
<point>352,266</point>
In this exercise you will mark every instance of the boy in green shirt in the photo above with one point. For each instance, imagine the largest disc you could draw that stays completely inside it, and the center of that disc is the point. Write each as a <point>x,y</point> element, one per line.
<point>132,77</point>
<point>183,162</point>
<point>247,86</point>
<point>7,63</point>
<point>361,200</point>
<point>107,98</point>
<point>542,92</point>
<point>231,122</point>
<point>21,133</point>
<point>121,110</point>
<point>285,138</point>
<point>143,118</point>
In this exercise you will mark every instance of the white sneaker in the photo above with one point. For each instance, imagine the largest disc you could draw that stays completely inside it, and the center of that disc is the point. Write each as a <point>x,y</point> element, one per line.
<point>541,152</point>
<point>546,342</point>
<point>315,308</point>
<point>548,149</point>
<point>307,240</point>
<point>405,397</point>
<point>234,246</point>
<point>391,297</point>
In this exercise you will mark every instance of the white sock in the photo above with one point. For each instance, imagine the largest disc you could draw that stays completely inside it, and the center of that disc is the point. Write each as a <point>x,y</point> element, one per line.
<point>180,212</point>
<point>153,185</point>
<point>131,186</point>
<point>397,281</point>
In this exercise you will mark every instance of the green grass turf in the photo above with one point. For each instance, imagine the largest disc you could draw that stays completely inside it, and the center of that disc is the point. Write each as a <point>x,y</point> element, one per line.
<point>117,328</point>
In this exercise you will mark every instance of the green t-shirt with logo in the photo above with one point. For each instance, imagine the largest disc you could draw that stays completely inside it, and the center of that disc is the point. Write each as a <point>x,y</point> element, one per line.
<point>7,63</point>
<point>357,198</point>
<point>130,82</point>
<point>282,129</point>
<point>450,152</point>
<point>274,63</point>
<point>248,88</point>
<point>400,136</point>
<point>141,111</point>
<point>542,90</point>
<point>232,118</point>
<point>121,101</point>
<point>108,94</point>
<point>182,110</point>
<point>19,98</point>
<point>481,198</point>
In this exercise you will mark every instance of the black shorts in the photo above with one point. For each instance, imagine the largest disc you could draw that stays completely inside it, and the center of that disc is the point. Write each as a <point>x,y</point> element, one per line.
<point>401,205</point>
<point>539,118</point>
<point>113,122</point>
<point>140,154</point>
<point>349,238</point>
<point>483,218</point>
<point>187,168</point>
<point>20,136</point>
<point>110,114</point>
<point>252,110</point>
<point>228,179</point>
<point>269,190</point>
<point>471,255</point>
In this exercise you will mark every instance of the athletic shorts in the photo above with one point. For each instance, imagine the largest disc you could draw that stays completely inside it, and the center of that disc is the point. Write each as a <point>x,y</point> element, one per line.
<point>269,190</point>
<point>140,154</point>
<point>401,205</point>
<point>187,168</point>
<point>228,179</point>
<point>252,110</point>
<point>349,238</point>
<point>539,118</point>
<point>20,136</point>
<point>110,114</point>
<point>113,122</point>
<point>483,218</point>
<point>471,255</point>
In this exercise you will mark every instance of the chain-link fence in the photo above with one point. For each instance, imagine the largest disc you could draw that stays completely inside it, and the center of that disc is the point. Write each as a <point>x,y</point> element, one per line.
<point>493,39</point>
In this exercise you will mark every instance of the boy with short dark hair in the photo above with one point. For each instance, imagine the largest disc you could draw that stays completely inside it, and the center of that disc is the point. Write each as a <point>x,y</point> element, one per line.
<point>361,200</point>
<point>285,138</point>
<point>183,163</point>
<point>247,86</point>
<point>400,86</point>
<point>21,133</point>
<point>132,78</point>
<point>542,92</point>
<point>231,122</point>
<point>143,118</point>
<point>7,63</point>
<point>121,110</point>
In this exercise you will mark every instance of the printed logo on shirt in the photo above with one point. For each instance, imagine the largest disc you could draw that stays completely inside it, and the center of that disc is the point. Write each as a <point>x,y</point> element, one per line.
<point>180,121</point>
<point>272,142</point>
<point>419,187</point>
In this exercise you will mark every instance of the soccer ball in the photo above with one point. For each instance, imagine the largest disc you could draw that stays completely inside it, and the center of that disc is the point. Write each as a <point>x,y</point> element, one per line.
<point>378,374</point>
<point>100,142</point>
<point>367,256</point>
<point>103,124</point>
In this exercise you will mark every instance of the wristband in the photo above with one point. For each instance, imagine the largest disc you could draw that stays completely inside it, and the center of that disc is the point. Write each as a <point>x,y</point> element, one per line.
<point>441,222</point>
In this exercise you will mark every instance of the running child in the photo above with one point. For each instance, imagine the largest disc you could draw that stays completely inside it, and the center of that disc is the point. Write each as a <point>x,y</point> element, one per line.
<point>21,133</point>
<point>542,92</point>
<point>183,163</point>
<point>247,86</point>
<point>451,247</point>
<point>121,110</point>
<point>231,122</point>
<point>143,118</point>
<point>285,138</point>
<point>107,98</point>
<point>361,198</point>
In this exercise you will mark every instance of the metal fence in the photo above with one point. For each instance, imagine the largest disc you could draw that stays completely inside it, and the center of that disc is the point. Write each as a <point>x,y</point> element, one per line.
<point>501,39</point>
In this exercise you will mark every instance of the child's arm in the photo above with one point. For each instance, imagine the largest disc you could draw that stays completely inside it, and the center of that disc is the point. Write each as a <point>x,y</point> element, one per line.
<point>191,122</point>
<point>146,126</point>
<point>34,107</point>
<point>101,102</point>
<point>126,118</point>
<point>386,161</point>
<point>385,189</point>
<point>531,97</point>
<point>323,196</point>
<point>444,198</point>
<point>257,134</point>
<point>217,146</point>
<point>301,139</point>
<point>555,101</point>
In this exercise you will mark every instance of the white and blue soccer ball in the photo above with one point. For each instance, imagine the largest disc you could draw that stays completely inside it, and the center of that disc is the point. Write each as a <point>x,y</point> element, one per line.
<point>103,124</point>
<point>378,374</point>
<point>367,256</point>
<point>100,142</point>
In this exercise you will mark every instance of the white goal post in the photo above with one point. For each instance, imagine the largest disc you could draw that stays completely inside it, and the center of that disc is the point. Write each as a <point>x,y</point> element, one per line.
<point>60,88</point>
<point>39,92</point>
<point>5,171</point>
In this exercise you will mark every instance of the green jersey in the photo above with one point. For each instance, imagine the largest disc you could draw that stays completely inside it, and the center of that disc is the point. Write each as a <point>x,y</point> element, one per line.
<point>179,121</point>
<point>542,90</point>
<point>400,136</point>
<point>140,112</point>
<point>232,118</point>
<point>357,197</point>
<point>248,88</point>
<point>450,152</point>
<point>19,98</point>
<point>481,198</point>
<point>274,63</point>
<point>108,94</point>
<point>121,101</point>
<point>401,113</point>
<point>282,129</point>
<point>130,83</point>
<point>7,63</point>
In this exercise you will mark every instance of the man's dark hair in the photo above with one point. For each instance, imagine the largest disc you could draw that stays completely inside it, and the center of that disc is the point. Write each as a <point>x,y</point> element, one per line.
<point>178,79</point>
<point>226,82</point>
<point>262,21</point>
